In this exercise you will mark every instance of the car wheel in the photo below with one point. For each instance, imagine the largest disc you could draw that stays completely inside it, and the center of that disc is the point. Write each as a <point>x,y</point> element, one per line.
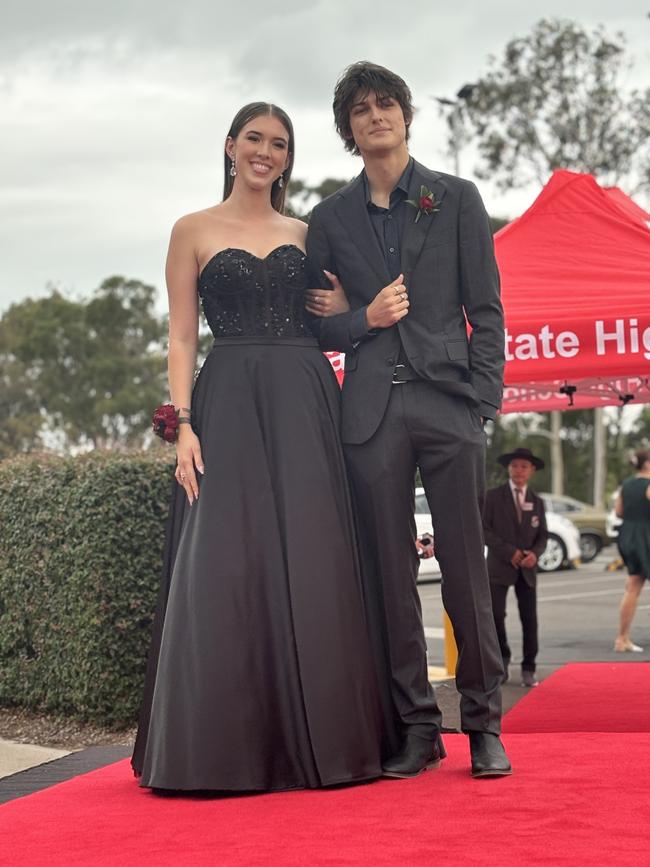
<point>590,546</point>
<point>554,554</point>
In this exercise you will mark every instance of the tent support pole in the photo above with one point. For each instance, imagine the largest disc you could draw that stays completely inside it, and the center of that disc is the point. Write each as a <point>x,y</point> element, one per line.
<point>600,458</point>
<point>557,459</point>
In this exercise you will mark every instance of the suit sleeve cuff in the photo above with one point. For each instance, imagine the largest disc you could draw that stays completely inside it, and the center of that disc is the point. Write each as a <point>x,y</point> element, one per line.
<point>359,327</point>
<point>488,410</point>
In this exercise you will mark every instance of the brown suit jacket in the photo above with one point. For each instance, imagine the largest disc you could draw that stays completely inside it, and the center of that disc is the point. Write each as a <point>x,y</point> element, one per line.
<point>504,534</point>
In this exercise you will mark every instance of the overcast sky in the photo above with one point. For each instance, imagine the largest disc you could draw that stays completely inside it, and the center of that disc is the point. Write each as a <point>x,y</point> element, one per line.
<point>113,114</point>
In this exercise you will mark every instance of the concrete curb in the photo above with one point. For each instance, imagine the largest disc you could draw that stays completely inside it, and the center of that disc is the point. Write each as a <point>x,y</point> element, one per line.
<point>15,757</point>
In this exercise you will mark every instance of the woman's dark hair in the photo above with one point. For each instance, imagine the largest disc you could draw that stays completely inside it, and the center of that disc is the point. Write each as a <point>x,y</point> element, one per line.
<point>358,80</point>
<point>641,457</point>
<point>245,115</point>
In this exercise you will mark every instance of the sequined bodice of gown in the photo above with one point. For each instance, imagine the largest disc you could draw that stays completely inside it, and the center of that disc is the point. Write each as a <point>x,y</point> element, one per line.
<point>245,296</point>
<point>260,674</point>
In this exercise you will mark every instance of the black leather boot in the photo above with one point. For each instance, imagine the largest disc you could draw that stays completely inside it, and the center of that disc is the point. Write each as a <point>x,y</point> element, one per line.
<point>489,758</point>
<point>415,756</point>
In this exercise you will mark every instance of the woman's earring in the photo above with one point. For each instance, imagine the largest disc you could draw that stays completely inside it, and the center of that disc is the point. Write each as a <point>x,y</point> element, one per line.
<point>233,170</point>
<point>281,181</point>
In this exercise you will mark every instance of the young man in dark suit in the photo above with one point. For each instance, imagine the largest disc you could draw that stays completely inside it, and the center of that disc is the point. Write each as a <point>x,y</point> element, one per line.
<point>514,522</point>
<point>413,251</point>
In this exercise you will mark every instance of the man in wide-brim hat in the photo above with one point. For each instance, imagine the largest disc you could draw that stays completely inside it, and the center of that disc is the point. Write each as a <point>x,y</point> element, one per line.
<point>514,522</point>
<point>521,453</point>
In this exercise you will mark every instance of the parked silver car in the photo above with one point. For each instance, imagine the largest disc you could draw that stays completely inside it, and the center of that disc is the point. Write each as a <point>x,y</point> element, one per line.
<point>591,522</point>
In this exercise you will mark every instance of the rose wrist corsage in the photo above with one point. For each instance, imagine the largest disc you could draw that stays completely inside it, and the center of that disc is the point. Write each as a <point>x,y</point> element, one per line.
<point>166,421</point>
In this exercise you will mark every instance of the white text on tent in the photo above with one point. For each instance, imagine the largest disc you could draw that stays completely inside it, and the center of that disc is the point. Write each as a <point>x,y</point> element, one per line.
<point>622,336</point>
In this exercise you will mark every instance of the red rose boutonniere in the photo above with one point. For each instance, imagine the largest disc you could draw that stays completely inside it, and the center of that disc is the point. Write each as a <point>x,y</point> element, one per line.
<point>426,204</point>
<point>165,422</point>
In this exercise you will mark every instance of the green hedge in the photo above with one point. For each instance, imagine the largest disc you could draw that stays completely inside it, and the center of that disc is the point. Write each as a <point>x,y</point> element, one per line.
<point>81,548</point>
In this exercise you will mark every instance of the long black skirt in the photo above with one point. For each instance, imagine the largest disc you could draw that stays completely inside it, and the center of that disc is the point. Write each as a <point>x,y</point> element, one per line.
<point>260,674</point>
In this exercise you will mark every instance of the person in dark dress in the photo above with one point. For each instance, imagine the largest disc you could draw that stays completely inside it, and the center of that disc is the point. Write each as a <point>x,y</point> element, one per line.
<point>260,674</point>
<point>514,523</point>
<point>633,505</point>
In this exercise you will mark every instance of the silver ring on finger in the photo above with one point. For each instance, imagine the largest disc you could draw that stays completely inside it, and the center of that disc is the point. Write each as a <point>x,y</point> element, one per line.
<point>183,476</point>
<point>402,296</point>
<point>398,291</point>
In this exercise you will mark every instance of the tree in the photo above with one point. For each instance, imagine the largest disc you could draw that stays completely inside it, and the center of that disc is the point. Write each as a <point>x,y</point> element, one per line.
<point>303,197</point>
<point>20,412</point>
<point>556,100</point>
<point>125,371</point>
<point>497,223</point>
<point>81,373</point>
<point>622,442</point>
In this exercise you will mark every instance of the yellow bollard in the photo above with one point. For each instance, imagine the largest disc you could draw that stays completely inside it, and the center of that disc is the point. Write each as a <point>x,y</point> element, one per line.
<point>451,651</point>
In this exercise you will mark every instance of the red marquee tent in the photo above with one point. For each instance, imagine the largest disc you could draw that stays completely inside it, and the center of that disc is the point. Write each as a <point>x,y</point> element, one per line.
<point>628,205</point>
<point>575,271</point>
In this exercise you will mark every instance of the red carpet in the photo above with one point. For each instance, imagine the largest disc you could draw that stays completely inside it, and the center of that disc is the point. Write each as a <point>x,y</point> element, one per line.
<point>587,697</point>
<point>567,804</point>
<point>578,796</point>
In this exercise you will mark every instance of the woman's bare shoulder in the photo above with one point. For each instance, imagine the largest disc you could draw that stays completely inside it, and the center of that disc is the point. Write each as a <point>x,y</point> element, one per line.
<point>297,228</point>
<point>197,219</point>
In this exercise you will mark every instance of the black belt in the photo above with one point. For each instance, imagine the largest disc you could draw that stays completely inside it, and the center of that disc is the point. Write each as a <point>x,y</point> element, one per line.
<point>404,373</point>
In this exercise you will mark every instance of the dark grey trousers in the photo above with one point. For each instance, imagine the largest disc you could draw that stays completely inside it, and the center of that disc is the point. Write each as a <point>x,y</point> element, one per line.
<point>441,433</point>
<point>527,603</point>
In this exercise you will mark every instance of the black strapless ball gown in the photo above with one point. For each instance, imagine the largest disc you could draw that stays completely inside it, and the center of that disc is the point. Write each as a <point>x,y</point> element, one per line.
<point>260,675</point>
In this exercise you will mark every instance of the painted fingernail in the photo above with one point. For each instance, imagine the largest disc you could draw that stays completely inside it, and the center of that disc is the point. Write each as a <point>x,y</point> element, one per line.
<point>201,469</point>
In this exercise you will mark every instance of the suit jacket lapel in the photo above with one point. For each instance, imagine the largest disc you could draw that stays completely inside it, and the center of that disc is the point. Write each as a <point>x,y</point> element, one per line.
<point>353,213</point>
<point>415,234</point>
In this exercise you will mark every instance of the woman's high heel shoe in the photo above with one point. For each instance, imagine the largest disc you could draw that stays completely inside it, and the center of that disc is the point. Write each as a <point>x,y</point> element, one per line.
<point>627,646</point>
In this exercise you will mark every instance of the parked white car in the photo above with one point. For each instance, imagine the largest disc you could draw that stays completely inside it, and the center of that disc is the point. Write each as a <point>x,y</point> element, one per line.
<point>429,568</point>
<point>613,521</point>
<point>563,546</point>
<point>562,549</point>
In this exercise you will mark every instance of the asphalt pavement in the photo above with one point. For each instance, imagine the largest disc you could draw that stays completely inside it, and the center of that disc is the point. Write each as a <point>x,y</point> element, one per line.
<point>577,611</point>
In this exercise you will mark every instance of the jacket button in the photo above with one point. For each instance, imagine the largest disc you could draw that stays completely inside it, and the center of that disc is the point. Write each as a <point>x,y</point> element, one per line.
<point>390,361</point>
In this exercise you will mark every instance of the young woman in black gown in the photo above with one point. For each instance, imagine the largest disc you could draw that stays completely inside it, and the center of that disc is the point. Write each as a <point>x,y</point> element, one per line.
<point>260,675</point>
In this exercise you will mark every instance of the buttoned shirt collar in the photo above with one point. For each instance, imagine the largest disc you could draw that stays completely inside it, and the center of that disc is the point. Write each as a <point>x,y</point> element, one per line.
<point>522,488</point>
<point>402,185</point>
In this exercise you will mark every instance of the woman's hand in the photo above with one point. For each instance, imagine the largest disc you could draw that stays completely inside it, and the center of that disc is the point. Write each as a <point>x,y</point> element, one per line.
<point>327,302</point>
<point>188,454</point>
